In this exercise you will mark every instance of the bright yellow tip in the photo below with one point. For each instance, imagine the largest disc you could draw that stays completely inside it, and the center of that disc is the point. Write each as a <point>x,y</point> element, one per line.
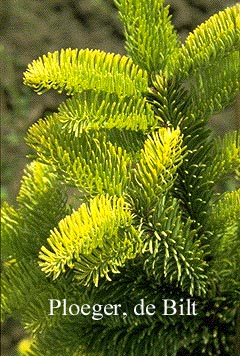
<point>24,346</point>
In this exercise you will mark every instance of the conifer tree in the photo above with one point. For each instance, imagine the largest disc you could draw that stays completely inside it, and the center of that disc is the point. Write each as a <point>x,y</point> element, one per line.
<point>119,206</point>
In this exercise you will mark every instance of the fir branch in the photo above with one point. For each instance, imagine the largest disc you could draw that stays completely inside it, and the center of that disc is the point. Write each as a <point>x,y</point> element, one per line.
<point>177,255</point>
<point>77,70</point>
<point>194,185</point>
<point>226,155</point>
<point>169,100</point>
<point>98,110</point>
<point>155,172</point>
<point>224,221</point>
<point>130,141</point>
<point>90,162</point>
<point>209,62</point>
<point>215,87</point>
<point>211,42</point>
<point>41,199</point>
<point>225,213</point>
<point>9,231</point>
<point>27,297</point>
<point>93,240</point>
<point>150,36</point>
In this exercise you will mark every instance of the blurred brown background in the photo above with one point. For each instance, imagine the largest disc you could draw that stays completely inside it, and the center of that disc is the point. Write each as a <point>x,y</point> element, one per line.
<point>30,28</point>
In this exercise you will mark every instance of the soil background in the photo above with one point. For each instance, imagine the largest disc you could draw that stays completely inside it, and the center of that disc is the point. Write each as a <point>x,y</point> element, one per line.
<point>31,28</point>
